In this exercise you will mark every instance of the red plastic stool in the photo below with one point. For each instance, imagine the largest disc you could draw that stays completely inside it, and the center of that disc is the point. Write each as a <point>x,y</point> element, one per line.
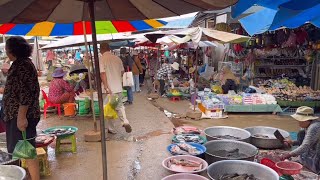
<point>175,98</point>
<point>48,104</point>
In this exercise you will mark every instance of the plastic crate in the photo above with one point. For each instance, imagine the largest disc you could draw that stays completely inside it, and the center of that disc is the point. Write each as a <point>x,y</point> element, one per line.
<point>288,111</point>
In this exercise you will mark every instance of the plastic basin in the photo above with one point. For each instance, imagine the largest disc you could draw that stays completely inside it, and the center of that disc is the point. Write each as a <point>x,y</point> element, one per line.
<point>289,167</point>
<point>199,147</point>
<point>47,131</point>
<point>186,157</point>
<point>175,140</point>
<point>184,176</point>
<point>11,172</point>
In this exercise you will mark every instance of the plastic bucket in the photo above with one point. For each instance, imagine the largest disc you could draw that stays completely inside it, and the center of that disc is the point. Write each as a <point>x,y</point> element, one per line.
<point>69,109</point>
<point>84,106</point>
<point>96,108</point>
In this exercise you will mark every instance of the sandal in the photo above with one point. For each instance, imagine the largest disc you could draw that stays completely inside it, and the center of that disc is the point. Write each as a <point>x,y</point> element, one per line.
<point>127,127</point>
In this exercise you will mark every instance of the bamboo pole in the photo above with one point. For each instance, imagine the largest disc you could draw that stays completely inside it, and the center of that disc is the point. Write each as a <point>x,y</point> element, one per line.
<point>89,74</point>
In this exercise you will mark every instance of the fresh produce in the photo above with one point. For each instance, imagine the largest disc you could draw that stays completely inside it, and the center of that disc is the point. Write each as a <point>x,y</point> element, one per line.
<point>285,89</point>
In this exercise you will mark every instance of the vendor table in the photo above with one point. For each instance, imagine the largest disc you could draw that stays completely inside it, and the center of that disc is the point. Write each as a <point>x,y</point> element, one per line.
<point>263,108</point>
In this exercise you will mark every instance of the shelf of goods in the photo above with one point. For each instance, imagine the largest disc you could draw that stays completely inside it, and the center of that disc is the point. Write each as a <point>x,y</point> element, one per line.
<point>277,66</point>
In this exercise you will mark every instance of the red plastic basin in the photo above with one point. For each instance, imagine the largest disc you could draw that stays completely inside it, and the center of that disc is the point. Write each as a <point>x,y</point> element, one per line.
<point>289,167</point>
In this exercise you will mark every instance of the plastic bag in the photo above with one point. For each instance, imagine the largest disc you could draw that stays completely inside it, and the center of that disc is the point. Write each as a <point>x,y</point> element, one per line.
<point>24,150</point>
<point>110,108</point>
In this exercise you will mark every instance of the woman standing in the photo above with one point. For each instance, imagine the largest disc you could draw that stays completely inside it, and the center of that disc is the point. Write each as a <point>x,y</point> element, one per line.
<point>21,98</point>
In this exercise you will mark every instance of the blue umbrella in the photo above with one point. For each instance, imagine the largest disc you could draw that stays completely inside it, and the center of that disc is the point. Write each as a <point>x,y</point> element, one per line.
<point>284,13</point>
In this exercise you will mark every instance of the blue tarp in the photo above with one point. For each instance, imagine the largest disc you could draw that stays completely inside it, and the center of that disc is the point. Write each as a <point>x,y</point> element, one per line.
<point>276,14</point>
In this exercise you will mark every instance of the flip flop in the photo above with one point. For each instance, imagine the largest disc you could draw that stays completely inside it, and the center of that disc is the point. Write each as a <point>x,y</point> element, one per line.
<point>127,127</point>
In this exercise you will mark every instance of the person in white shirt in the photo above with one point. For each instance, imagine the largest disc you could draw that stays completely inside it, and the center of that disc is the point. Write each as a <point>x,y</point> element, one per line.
<point>111,71</point>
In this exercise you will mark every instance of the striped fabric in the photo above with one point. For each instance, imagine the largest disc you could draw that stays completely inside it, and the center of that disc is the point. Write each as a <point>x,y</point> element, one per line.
<point>55,29</point>
<point>66,11</point>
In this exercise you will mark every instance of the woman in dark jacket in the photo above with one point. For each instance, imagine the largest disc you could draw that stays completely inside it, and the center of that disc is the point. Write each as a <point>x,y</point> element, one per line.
<point>21,98</point>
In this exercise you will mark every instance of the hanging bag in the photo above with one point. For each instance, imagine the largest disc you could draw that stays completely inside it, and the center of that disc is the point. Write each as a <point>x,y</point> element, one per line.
<point>127,79</point>
<point>23,149</point>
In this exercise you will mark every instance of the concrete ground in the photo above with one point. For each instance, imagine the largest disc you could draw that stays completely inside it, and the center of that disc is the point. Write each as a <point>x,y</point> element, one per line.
<point>240,120</point>
<point>138,155</point>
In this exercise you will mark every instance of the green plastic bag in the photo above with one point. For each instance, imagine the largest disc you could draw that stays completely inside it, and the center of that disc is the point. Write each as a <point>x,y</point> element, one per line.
<point>24,150</point>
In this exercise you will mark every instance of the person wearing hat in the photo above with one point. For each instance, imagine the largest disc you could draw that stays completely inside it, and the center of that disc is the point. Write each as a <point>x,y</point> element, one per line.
<point>3,76</point>
<point>78,77</point>
<point>136,71</point>
<point>165,73</point>
<point>308,139</point>
<point>60,91</point>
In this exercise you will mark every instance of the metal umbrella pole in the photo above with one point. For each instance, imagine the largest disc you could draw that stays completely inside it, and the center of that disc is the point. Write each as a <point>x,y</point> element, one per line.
<point>98,83</point>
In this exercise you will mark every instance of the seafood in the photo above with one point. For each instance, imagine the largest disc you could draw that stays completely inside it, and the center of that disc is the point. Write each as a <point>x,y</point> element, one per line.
<point>231,154</point>
<point>177,150</point>
<point>59,132</point>
<point>189,138</point>
<point>237,177</point>
<point>261,136</point>
<point>4,157</point>
<point>227,137</point>
<point>186,130</point>
<point>43,139</point>
<point>184,149</point>
<point>184,165</point>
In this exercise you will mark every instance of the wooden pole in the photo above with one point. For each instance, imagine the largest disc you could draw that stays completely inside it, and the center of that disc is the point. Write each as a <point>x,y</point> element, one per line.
<point>88,64</point>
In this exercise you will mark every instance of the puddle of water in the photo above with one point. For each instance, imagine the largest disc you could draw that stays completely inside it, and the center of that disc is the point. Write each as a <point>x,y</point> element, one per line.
<point>151,134</point>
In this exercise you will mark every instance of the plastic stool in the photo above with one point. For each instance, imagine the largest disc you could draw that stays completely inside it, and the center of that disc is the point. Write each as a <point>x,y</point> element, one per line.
<point>175,98</point>
<point>43,162</point>
<point>73,143</point>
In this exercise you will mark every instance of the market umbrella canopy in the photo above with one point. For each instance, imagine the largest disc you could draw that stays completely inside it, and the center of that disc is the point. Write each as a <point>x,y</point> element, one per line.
<point>68,29</point>
<point>66,11</point>
<point>277,14</point>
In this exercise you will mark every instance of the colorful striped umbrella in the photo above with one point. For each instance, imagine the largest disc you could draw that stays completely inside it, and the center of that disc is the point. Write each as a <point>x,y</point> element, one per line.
<point>58,29</point>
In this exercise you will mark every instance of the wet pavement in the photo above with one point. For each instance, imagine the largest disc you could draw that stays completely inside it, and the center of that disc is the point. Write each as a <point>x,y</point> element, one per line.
<point>138,155</point>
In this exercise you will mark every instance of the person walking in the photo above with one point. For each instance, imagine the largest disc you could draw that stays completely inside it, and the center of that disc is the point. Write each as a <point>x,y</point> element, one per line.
<point>111,71</point>
<point>136,71</point>
<point>50,58</point>
<point>143,62</point>
<point>127,62</point>
<point>165,74</point>
<point>21,99</point>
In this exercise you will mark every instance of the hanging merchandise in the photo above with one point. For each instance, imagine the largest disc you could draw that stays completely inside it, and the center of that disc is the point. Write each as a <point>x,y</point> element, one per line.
<point>250,59</point>
<point>292,40</point>
<point>268,40</point>
<point>302,36</point>
<point>281,37</point>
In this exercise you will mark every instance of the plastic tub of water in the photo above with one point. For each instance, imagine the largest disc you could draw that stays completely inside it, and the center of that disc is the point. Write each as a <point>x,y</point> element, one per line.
<point>11,172</point>
<point>184,176</point>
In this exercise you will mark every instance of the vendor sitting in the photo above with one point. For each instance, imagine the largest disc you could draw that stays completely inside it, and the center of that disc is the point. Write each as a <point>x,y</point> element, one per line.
<point>78,77</point>
<point>60,91</point>
<point>228,80</point>
<point>308,139</point>
<point>3,76</point>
